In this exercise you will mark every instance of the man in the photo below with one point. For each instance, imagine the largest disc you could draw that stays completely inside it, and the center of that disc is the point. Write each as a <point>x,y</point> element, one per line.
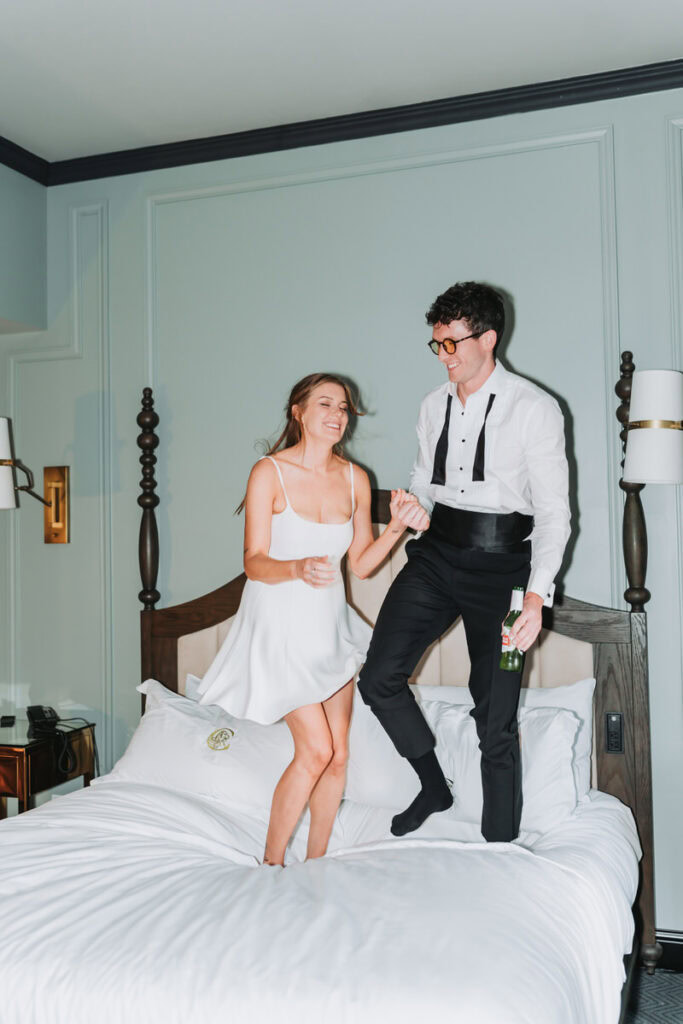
<point>489,490</point>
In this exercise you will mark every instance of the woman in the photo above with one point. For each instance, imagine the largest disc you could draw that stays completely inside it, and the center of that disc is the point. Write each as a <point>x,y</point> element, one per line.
<point>295,644</point>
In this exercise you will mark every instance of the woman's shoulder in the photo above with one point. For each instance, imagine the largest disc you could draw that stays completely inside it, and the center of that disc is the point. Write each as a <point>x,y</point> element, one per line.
<point>360,476</point>
<point>263,470</point>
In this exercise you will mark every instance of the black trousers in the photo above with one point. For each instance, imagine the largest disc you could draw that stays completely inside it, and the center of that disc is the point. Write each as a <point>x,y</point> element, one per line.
<point>439,583</point>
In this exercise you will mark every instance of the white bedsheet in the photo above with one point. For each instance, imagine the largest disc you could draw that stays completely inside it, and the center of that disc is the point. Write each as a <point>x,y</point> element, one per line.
<point>133,904</point>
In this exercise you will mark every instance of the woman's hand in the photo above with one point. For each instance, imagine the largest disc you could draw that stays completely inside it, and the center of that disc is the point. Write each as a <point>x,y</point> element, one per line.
<point>316,572</point>
<point>366,552</point>
<point>408,511</point>
<point>397,499</point>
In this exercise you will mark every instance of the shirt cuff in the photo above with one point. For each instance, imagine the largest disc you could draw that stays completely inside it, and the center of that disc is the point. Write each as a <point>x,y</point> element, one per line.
<point>425,501</point>
<point>540,582</point>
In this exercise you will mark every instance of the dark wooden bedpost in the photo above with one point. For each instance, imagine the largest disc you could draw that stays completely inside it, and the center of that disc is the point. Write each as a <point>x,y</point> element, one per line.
<point>650,949</point>
<point>635,559</point>
<point>634,532</point>
<point>148,547</point>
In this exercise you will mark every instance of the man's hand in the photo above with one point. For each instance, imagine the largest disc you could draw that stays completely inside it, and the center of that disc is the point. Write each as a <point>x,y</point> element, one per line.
<point>527,626</point>
<point>407,509</point>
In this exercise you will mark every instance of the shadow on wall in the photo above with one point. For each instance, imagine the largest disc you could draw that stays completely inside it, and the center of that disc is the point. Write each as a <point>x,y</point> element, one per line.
<point>162,474</point>
<point>569,437</point>
<point>353,427</point>
<point>84,453</point>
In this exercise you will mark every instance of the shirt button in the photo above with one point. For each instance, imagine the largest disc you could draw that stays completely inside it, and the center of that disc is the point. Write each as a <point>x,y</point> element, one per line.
<point>462,492</point>
<point>462,439</point>
<point>461,469</point>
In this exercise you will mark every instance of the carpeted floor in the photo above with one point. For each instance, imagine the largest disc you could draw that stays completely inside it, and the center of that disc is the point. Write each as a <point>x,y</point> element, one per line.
<point>656,999</point>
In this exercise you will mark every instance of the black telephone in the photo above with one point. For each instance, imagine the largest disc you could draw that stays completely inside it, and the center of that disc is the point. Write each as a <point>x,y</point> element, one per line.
<point>44,722</point>
<point>41,720</point>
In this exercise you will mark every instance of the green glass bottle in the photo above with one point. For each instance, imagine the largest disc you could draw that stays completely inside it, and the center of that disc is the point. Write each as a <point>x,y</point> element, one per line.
<point>511,658</point>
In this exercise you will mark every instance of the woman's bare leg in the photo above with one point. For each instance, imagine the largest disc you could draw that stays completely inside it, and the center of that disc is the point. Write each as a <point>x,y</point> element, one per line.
<point>326,796</point>
<point>312,753</point>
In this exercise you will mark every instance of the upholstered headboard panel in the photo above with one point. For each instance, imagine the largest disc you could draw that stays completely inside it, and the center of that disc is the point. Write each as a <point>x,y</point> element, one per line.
<point>553,661</point>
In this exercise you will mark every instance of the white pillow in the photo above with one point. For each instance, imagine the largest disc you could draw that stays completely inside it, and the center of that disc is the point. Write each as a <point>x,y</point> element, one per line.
<point>192,684</point>
<point>169,748</point>
<point>576,697</point>
<point>546,737</point>
<point>379,777</point>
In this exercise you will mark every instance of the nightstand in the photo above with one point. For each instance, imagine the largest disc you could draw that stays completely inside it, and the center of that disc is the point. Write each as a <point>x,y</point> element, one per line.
<point>30,766</point>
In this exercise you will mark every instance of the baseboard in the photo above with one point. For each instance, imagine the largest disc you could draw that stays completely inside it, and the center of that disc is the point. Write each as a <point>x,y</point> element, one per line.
<point>672,946</point>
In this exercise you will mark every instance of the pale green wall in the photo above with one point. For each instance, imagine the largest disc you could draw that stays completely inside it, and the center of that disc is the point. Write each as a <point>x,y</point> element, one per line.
<point>22,252</point>
<point>220,284</point>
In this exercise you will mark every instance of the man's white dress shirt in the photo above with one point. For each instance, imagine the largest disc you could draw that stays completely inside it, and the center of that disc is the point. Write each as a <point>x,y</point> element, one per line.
<point>525,467</point>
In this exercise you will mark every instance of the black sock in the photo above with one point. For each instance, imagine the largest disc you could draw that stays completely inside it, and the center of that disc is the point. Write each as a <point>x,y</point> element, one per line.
<point>434,795</point>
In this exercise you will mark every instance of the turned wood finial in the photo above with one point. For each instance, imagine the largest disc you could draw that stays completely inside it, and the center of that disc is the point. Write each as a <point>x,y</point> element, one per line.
<point>623,391</point>
<point>634,530</point>
<point>148,548</point>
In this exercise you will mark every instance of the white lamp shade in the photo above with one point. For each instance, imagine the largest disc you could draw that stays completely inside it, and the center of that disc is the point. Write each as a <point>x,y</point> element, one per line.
<point>654,454</point>
<point>8,496</point>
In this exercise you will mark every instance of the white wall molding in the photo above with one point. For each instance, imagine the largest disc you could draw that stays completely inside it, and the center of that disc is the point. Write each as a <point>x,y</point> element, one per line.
<point>15,360</point>
<point>100,211</point>
<point>601,136</point>
<point>611,357</point>
<point>41,352</point>
<point>358,170</point>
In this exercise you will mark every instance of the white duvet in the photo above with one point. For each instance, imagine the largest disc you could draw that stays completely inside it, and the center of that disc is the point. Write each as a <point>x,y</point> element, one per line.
<point>134,904</point>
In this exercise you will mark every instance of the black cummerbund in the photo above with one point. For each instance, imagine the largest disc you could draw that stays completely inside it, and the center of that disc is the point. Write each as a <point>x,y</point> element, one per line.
<point>481,531</point>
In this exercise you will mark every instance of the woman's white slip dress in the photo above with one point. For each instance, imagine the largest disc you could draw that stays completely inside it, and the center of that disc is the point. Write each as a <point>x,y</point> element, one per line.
<point>290,644</point>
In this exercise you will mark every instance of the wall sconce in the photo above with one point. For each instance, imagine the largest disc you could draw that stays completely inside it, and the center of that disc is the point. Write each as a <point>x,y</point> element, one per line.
<point>7,464</point>
<point>651,414</point>
<point>56,483</point>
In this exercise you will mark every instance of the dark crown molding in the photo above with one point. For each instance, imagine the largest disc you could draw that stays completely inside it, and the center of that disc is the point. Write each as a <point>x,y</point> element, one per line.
<point>478,106</point>
<point>26,163</point>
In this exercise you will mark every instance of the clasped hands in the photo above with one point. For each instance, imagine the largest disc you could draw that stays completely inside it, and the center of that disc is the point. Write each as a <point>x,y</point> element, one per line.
<point>407,510</point>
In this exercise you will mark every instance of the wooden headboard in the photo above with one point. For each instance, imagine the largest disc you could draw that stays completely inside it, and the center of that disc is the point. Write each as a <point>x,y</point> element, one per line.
<point>619,663</point>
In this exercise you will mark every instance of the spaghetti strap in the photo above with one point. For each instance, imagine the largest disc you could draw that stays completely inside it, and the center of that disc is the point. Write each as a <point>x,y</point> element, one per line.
<point>279,473</point>
<point>353,493</point>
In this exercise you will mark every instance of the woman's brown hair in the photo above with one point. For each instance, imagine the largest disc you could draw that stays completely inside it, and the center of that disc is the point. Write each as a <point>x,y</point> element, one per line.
<point>299,395</point>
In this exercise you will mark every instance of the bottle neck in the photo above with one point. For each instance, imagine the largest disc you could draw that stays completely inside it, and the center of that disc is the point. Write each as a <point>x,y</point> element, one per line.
<point>517,602</point>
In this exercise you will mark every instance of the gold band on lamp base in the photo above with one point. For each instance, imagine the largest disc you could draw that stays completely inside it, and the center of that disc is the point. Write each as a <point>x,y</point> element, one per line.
<point>655,424</point>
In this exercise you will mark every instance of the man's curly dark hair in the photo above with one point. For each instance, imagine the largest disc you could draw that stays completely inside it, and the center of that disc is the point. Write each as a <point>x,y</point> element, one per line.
<point>480,305</point>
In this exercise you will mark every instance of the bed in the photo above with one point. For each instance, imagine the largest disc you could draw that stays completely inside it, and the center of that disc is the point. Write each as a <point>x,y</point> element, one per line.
<point>143,898</point>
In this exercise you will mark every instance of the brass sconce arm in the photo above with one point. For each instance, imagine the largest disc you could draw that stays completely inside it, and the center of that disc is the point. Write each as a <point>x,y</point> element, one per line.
<point>28,487</point>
